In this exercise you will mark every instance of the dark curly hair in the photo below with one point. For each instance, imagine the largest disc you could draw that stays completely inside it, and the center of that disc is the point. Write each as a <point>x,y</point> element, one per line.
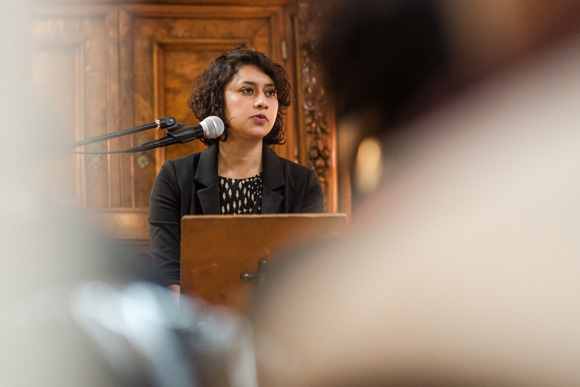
<point>207,91</point>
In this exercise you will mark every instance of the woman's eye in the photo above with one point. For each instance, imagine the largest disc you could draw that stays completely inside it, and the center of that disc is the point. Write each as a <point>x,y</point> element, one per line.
<point>271,93</point>
<point>247,90</point>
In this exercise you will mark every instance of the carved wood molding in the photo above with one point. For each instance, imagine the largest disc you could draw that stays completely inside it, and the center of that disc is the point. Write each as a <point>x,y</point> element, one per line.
<point>316,122</point>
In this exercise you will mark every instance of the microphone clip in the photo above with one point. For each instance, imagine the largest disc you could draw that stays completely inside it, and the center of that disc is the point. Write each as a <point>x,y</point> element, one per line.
<point>167,123</point>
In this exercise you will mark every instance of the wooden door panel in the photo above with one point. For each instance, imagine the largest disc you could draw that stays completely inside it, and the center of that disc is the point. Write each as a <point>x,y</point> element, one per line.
<point>75,69</point>
<point>61,94</point>
<point>167,47</point>
<point>176,61</point>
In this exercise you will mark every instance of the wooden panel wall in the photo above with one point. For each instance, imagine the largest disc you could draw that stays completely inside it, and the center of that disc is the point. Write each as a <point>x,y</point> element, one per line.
<point>113,65</point>
<point>76,71</point>
<point>162,49</point>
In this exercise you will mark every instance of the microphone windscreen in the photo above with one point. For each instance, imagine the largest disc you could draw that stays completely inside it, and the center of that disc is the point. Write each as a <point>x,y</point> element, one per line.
<point>213,127</point>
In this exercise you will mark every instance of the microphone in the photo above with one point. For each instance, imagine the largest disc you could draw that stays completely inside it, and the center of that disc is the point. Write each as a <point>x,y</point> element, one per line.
<point>210,127</point>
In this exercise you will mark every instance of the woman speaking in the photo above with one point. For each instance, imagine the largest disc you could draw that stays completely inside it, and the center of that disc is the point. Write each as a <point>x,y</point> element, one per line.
<point>237,173</point>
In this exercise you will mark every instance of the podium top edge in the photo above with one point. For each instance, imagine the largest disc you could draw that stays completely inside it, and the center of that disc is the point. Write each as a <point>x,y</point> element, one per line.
<point>339,215</point>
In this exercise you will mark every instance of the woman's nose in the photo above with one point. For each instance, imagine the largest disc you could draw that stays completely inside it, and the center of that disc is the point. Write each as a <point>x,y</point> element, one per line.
<point>261,101</point>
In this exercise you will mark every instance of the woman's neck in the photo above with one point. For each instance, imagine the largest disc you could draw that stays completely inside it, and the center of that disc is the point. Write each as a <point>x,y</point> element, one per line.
<point>237,162</point>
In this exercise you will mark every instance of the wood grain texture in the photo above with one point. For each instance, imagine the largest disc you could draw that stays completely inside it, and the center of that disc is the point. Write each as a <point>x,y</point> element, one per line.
<point>75,68</point>
<point>217,249</point>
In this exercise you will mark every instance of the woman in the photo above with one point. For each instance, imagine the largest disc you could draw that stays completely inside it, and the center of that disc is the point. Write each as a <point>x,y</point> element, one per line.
<point>237,173</point>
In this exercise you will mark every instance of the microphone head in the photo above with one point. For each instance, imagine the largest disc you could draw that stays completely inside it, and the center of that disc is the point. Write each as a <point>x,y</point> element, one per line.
<point>213,127</point>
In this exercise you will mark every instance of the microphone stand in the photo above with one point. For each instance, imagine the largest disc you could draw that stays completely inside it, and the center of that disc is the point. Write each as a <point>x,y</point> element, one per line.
<point>168,123</point>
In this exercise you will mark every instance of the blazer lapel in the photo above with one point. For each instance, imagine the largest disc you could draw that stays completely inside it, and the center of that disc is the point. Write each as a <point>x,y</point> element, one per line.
<point>206,181</point>
<point>273,182</point>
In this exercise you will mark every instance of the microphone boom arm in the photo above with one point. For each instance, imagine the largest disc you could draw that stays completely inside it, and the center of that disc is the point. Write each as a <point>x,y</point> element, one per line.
<point>161,123</point>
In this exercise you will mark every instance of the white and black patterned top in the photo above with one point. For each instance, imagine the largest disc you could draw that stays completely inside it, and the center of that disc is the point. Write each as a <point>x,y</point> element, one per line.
<point>241,196</point>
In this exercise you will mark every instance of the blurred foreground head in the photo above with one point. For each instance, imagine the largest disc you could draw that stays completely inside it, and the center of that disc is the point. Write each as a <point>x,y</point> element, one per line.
<point>378,56</point>
<point>385,61</point>
<point>463,269</point>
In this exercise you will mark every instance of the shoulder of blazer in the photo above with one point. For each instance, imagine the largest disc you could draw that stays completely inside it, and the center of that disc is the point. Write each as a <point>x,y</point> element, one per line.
<point>185,160</point>
<point>286,166</point>
<point>193,166</point>
<point>183,167</point>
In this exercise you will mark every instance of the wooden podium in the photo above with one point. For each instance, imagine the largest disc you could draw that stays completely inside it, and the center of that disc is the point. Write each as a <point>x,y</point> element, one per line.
<point>222,256</point>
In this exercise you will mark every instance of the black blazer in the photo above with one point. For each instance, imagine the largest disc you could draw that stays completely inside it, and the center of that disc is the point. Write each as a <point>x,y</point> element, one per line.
<point>190,186</point>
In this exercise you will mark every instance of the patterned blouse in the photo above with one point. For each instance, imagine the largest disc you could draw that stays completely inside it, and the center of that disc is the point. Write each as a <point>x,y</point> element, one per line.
<point>241,196</point>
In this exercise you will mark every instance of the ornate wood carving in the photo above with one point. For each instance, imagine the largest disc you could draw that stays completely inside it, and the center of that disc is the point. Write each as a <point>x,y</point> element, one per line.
<point>315,119</point>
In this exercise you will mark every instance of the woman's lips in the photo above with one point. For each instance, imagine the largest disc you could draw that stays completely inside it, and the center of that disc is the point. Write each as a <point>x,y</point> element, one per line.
<point>260,118</point>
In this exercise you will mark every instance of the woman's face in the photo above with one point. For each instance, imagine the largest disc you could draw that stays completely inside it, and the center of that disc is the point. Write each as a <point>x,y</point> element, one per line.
<point>251,105</point>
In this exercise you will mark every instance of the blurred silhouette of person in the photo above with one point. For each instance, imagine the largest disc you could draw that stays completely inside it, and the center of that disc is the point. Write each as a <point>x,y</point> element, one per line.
<point>75,309</point>
<point>462,268</point>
